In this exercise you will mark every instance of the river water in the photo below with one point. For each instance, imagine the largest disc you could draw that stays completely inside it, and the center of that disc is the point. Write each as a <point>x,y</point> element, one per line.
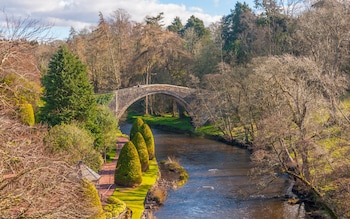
<point>218,185</point>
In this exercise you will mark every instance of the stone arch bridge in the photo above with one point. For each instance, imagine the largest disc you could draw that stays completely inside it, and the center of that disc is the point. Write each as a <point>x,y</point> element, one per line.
<point>123,98</point>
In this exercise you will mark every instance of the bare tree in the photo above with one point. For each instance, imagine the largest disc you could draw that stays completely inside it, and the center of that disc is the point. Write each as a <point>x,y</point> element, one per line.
<point>324,31</point>
<point>158,50</point>
<point>291,131</point>
<point>33,183</point>
<point>19,73</point>
<point>220,101</point>
<point>122,30</point>
<point>27,29</point>
<point>20,33</point>
<point>323,34</point>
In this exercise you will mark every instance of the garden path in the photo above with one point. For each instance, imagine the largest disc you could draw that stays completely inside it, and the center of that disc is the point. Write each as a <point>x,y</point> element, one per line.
<point>106,184</point>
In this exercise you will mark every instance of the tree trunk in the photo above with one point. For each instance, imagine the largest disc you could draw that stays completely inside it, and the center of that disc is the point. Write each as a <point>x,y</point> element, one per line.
<point>174,108</point>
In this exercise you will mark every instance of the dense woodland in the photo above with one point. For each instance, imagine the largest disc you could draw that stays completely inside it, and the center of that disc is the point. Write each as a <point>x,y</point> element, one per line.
<point>278,75</point>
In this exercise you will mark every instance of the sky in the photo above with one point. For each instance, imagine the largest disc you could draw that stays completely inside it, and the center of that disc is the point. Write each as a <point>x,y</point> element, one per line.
<point>64,14</point>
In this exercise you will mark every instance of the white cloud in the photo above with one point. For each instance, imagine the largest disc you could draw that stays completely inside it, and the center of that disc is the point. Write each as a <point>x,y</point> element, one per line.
<point>196,9</point>
<point>81,13</point>
<point>216,2</point>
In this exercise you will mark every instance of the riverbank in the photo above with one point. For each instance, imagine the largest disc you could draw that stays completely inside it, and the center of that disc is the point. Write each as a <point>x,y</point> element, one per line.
<point>184,126</point>
<point>134,197</point>
<point>216,137</point>
<point>172,175</point>
<point>137,199</point>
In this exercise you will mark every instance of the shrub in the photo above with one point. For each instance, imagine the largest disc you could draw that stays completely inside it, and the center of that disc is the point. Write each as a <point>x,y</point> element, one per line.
<point>115,200</point>
<point>172,165</point>
<point>136,127</point>
<point>74,144</point>
<point>141,148</point>
<point>17,89</point>
<point>148,136</point>
<point>107,123</point>
<point>159,195</point>
<point>91,194</point>
<point>104,99</point>
<point>128,171</point>
<point>27,114</point>
<point>114,207</point>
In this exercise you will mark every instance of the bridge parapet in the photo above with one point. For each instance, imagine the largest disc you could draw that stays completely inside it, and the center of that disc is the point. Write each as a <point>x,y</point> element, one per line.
<point>127,96</point>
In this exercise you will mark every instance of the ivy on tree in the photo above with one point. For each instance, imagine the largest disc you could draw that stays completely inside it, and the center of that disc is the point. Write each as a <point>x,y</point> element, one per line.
<point>68,94</point>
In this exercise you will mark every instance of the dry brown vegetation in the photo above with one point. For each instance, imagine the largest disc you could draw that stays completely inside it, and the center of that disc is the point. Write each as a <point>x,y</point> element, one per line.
<point>289,108</point>
<point>34,183</point>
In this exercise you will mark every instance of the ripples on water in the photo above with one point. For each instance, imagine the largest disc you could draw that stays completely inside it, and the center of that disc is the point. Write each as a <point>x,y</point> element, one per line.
<point>217,181</point>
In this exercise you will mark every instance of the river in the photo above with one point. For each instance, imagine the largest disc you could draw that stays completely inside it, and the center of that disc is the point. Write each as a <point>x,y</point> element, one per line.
<point>218,185</point>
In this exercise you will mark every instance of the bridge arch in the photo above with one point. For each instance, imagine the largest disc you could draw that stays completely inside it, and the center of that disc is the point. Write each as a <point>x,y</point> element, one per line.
<point>125,97</point>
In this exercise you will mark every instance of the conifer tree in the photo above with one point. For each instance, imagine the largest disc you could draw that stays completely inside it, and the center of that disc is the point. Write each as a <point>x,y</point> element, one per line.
<point>68,94</point>
<point>141,148</point>
<point>149,139</point>
<point>136,127</point>
<point>128,171</point>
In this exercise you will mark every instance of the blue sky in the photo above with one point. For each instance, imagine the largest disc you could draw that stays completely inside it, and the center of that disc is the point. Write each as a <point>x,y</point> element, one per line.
<point>84,13</point>
<point>212,7</point>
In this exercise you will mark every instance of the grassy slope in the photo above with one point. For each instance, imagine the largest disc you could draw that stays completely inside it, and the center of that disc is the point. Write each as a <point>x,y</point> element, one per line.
<point>134,197</point>
<point>176,123</point>
<point>182,125</point>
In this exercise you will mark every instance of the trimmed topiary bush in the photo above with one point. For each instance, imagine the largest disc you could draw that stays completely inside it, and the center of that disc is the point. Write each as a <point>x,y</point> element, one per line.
<point>91,194</point>
<point>149,139</point>
<point>136,127</point>
<point>114,207</point>
<point>141,148</point>
<point>128,171</point>
<point>27,114</point>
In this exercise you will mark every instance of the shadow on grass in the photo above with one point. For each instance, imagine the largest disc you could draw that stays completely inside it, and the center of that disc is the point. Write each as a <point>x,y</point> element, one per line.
<point>134,197</point>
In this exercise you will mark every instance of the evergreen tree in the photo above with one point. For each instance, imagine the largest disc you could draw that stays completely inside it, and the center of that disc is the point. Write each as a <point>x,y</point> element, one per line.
<point>176,25</point>
<point>141,148</point>
<point>68,94</point>
<point>128,171</point>
<point>156,21</point>
<point>136,127</point>
<point>198,26</point>
<point>236,28</point>
<point>149,139</point>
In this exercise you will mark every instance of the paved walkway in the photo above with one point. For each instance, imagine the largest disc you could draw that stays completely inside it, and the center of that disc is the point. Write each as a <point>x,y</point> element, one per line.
<point>106,183</point>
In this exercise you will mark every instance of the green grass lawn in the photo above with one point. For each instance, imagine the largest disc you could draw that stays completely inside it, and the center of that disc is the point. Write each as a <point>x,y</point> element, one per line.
<point>111,155</point>
<point>208,130</point>
<point>183,124</point>
<point>134,197</point>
